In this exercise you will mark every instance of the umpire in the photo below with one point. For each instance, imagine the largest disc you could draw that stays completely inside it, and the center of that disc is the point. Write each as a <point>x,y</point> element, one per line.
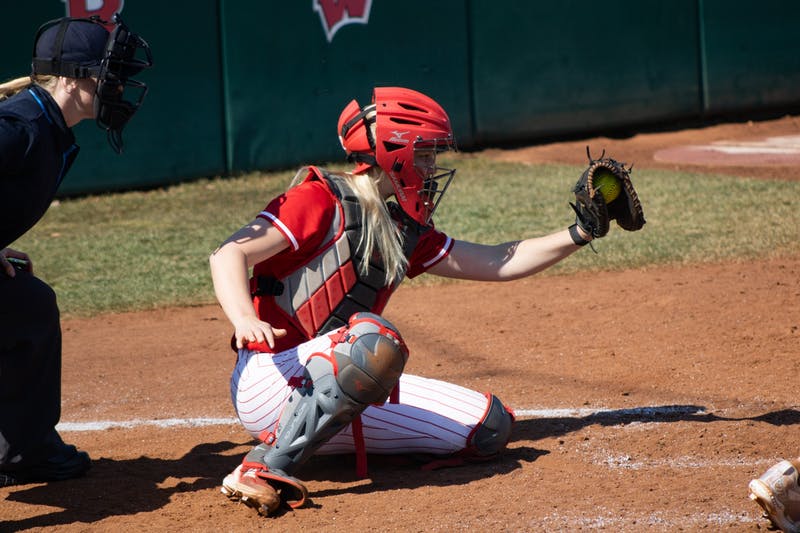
<point>77,75</point>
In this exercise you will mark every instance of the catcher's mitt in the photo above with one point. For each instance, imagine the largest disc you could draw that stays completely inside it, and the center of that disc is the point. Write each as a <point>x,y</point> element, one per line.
<point>592,212</point>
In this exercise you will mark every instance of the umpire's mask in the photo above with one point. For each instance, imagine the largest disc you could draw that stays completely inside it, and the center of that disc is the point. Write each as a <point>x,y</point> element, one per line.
<point>120,63</point>
<point>83,48</point>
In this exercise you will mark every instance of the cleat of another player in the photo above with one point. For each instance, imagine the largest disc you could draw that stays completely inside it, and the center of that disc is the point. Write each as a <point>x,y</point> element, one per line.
<point>245,486</point>
<point>777,492</point>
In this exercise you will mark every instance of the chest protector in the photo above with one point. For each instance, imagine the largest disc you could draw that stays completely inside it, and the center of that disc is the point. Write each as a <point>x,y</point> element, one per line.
<point>322,294</point>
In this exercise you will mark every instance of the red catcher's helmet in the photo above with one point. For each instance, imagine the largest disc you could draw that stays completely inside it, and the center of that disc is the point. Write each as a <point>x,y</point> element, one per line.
<point>399,123</point>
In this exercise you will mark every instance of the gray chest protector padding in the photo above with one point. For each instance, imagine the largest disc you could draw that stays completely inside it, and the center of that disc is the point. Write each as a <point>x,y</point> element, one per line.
<point>306,287</point>
<point>365,366</point>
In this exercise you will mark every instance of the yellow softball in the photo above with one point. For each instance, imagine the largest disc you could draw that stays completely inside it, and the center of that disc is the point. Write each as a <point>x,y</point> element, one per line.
<point>608,185</point>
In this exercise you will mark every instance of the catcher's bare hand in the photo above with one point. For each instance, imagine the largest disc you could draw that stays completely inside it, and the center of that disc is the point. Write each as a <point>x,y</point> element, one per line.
<point>251,329</point>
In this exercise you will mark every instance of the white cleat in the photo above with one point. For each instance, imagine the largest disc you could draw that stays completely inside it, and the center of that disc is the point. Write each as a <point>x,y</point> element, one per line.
<point>250,489</point>
<point>777,492</point>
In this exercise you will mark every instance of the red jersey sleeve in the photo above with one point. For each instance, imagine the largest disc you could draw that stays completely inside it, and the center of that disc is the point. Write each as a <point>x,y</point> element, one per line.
<point>303,214</point>
<point>433,246</point>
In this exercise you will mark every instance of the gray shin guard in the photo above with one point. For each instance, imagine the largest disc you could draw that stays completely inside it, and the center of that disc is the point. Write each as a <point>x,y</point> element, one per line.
<point>365,366</point>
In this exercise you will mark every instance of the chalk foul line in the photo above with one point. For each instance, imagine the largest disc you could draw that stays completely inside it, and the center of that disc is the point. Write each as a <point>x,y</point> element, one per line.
<point>649,412</point>
<point>101,425</point>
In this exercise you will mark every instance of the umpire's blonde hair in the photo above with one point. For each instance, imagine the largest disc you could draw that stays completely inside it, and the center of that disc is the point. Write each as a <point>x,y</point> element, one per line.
<point>380,232</point>
<point>12,87</point>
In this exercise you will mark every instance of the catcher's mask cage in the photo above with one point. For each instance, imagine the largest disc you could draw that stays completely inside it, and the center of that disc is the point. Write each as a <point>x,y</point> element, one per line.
<point>435,179</point>
<point>69,47</point>
<point>390,133</point>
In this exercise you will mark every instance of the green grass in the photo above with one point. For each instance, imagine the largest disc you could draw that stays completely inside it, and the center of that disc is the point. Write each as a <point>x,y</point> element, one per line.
<point>140,250</point>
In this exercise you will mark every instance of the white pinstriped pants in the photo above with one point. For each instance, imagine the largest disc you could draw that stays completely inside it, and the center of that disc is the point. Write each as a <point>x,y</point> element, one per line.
<point>432,416</point>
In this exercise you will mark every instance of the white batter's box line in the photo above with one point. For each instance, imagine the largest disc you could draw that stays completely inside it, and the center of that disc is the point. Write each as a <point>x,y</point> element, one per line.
<point>648,412</point>
<point>102,425</point>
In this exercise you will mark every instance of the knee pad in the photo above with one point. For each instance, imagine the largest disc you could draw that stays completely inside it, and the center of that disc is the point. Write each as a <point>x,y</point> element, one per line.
<point>370,356</point>
<point>492,433</point>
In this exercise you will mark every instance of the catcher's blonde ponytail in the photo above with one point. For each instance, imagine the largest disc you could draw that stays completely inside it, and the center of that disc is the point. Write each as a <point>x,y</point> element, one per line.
<point>379,231</point>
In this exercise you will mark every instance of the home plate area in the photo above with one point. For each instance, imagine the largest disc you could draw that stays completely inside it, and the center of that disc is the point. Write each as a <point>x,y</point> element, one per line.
<point>780,151</point>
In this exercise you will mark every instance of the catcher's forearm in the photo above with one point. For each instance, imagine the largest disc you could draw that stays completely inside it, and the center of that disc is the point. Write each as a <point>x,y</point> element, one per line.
<point>507,261</point>
<point>531,256</point>
<point>230,276</point>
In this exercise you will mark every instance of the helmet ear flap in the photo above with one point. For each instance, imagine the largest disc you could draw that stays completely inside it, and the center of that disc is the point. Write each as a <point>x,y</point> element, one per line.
<point>346,121</point>
<point>357,134</point>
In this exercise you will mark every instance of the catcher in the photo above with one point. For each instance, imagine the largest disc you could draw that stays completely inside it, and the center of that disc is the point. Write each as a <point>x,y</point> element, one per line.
<point>319,371</point>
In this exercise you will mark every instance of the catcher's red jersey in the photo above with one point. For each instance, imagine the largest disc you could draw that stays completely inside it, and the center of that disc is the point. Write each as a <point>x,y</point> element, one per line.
<point>303,215</point>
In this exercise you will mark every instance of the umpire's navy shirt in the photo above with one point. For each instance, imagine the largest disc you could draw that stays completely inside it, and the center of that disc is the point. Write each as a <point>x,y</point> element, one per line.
<point>36,150</point>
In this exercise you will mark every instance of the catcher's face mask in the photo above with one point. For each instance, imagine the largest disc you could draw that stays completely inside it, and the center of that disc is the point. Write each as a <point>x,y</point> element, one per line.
<point>83,48</point>
<point>435,179</point>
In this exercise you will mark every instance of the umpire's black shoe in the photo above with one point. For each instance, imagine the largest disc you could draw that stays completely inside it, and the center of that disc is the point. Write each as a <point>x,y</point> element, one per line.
<point>63,461</point>
<point>67,463</point>
<point>7,480</point>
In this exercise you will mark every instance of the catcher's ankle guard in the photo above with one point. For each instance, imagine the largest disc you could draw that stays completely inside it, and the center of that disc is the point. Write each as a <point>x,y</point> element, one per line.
<point>487,440</point>
<point>492,433</point>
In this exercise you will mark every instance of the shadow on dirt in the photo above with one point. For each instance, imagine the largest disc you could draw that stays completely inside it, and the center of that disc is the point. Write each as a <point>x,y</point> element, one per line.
<point>393,472</point>
<point>540,428</point>
<point>123,487</point>
<point>410,472</point>
<point>556,426</point>
<point>784,417</point>
<point>145,484</point>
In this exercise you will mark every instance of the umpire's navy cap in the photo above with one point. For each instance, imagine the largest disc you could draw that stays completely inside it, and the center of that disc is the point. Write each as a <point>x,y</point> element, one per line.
<point>69,47</point>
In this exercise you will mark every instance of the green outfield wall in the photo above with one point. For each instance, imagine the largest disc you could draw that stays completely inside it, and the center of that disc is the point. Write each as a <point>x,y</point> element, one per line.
<point>242,85</point>
<point>751,56</point>
<point>544,68</point>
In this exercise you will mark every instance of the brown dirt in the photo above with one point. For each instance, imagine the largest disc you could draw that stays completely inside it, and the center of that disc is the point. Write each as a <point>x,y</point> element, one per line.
<point>654,416</point>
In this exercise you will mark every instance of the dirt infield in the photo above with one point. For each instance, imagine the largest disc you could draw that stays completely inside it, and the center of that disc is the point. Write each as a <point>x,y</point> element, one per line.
<point>654,417</point>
